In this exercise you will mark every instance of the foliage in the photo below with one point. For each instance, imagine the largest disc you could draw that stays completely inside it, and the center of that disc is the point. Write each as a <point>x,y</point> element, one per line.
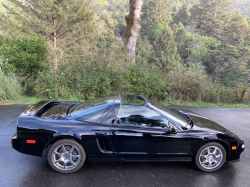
<point>165,51</point>
<point>234,76</point>
<point>27,54</point>
<point>98,76</point>
<point>66,25</point>
<point>211,16</point>
<point>9,86</point>
<point>187,51</point>
<point>156,11</point>
<point>182,39</point>
<point>183,15</point>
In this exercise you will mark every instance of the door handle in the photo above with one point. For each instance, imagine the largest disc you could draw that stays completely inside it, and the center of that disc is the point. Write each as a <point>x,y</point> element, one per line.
<point>159,135</point>
<point>156,135</point>
<point>101,134</point>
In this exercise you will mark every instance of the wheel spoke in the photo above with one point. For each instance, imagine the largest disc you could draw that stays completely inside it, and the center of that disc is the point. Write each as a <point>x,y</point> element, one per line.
<point>209,164</point>
<point>75,156</point>
<point>57,153</point>
<point>215,150</point>
<point>204,156</point>
<point>59,160</point>
<point>65,164</point>
<point>208,151</point>
<point>63,148</point>
<point>204,162</point>
<point>71,150</point>
<point>217,156</point>
<point>216,162</point>
<point>71,161</point>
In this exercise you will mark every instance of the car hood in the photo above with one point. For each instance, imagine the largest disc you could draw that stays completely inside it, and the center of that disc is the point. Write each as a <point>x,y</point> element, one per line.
<point>204,124</point>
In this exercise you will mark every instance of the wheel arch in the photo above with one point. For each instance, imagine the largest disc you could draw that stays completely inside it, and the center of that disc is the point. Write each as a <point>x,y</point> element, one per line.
<point>60,137</point>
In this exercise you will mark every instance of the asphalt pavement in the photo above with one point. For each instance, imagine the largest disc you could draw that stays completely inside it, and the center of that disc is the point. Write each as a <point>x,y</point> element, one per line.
<point>17,169</point>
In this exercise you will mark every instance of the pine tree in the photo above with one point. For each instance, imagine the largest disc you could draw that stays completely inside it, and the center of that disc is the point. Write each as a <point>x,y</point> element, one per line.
<point>165,51</point>
<point>183,15</point>
<point>237,32</point>
<point>211,17</point>
<point>223,59</point>
<point>66,25</point>
<point>155,11</point>
<point>182,39</point>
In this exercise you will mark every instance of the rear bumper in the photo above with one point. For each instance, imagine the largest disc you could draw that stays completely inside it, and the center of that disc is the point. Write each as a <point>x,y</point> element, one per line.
<point>16,142</point>
<point>17,145</point>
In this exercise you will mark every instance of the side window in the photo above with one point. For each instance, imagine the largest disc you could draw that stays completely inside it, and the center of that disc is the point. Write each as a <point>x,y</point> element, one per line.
<point>141,116</point>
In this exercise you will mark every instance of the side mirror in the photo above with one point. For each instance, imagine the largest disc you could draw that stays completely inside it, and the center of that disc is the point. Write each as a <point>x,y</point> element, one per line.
<point>116,121</point>
<point>172,130</point>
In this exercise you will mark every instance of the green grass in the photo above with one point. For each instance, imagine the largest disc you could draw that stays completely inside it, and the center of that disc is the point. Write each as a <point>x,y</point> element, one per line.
<point>21,100</point>
<point>33,100</point>
<point>205,104</point>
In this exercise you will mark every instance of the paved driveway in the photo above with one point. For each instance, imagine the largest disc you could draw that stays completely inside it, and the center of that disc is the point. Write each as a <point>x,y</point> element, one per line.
<point>17,169</point>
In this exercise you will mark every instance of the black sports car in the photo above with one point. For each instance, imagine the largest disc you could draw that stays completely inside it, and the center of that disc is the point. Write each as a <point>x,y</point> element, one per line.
<point>122,129</point>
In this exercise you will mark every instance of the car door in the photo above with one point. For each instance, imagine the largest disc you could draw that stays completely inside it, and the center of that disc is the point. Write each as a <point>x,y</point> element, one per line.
<point>140,133</point>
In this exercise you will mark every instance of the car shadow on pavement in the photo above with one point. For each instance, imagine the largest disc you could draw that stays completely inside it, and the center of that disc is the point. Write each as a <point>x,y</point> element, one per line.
<point>129,174</point>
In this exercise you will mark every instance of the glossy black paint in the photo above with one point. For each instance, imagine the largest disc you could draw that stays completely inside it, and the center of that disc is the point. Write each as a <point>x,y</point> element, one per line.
<point>109,141</point>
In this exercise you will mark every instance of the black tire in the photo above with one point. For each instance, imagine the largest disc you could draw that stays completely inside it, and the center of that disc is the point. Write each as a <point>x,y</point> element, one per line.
<point>66,156</point>
<point>212,161</point>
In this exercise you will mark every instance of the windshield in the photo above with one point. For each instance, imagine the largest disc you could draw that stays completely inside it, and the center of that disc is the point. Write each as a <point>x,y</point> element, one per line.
<point>93,110</point>
<point>169,113</point>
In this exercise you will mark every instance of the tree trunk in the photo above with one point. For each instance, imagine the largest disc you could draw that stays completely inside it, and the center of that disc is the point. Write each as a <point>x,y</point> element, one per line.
<point>133,28</point>
<point>246,77</point>
<point>214,74</point>
<point>54,41</point>
<point>25,83</point>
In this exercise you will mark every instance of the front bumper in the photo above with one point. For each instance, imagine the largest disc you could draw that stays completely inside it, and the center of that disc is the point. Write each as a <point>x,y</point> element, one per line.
<point>231,158</point>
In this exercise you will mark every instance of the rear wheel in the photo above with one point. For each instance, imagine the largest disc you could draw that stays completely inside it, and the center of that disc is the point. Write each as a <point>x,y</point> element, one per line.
<point>210,157</point>
<point>66,156</point>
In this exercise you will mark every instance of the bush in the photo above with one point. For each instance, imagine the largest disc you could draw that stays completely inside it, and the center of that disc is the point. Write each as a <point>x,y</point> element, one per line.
<point>9,86</point>
<point>108,73</point>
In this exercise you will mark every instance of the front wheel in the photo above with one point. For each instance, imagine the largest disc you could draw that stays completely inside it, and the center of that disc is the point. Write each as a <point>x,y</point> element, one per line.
<point>66,156</point>
<point>210,157</point>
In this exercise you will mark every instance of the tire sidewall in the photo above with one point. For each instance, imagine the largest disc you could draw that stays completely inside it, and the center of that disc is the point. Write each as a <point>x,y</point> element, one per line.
<point>70,141</point>
<point>197,163</point>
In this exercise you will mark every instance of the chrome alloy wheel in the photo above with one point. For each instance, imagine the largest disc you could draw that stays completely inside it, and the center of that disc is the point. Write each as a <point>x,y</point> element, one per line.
<point>66,156</point>
<point>210,157</point>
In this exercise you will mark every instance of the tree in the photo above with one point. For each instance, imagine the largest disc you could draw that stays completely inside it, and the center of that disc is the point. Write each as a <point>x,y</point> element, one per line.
<point>211,17</point>
<point>27,54</point>
<point>237,31</point>
<point>198,48</point>
<point>182,39</point>
<point>155,31</point>
<point>183,15</point>
<point>154,12</point>
<point>221,60</point>
<point>66,25</point>
<point>165,50</point>
<point>232,77</point>
<point>133,28</point>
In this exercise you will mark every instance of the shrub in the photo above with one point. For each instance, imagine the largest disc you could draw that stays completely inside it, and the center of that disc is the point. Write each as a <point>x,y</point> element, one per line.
<point>9,86</point>
<point>108,73</point>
